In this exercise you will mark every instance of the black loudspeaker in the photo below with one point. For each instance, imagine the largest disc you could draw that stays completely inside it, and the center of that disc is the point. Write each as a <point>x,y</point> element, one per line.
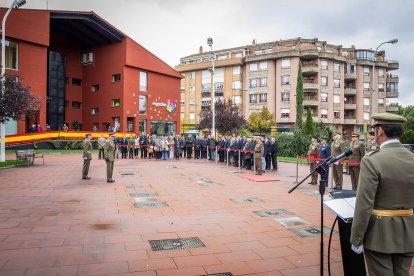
<point>353,264</point>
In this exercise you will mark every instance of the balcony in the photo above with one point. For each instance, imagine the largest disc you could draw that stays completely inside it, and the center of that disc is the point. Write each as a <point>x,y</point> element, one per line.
<point>310,84</point>
<point>310,68</point>
<point>350,106</point>
<point>393,65</point>
<point>350,76</point>
<point>392,78</point>
<point>349,91</point>
<point>392,94</point>
<point>350,120</point>
<point>205,94</point>
<point>311,102</point>
<point>309,53</point>
<point>392,108</point>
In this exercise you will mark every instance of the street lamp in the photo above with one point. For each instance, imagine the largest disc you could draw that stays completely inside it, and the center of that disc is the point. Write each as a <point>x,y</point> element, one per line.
<point>213,102</point>
<point>15,4</point>
<point>392,41</point>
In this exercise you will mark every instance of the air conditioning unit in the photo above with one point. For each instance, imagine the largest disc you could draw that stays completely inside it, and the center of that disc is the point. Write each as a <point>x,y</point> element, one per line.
<point>87,58</point>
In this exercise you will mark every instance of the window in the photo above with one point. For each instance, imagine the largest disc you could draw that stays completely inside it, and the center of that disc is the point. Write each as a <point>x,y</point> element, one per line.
<point>324,80</point>
<point>366,86</point>
<point>253,66</point>
<point>143,81</point>
<point>142,104</point>
<point>76,105</point>
<point>324,113</point>
<point>263,98</point>
<point>236,70</point>
<point>263,65</point>
<point>236,84</point>
<point>253,98</point>
<point>182,89</point>
<point>324,64</point>
<point>337,114</point>
<point>95,87</point>
<point>182,102</point>
<point>223,56</point>
<point>192,88</point>
<point>380,102</point>
<point>337,67</point>
<point>337,83</point>
<point>182,115</point>
<point>285,96</point>
<point>116,78</point>
<point>237,99</point>
<point>285,80</point>
<point>76,82</point>
<point>324,97</point>
<point>253,83</point>
<point>116,103</point>
<point>142,126</point>
<point>285,63</point>
<point>366,115</point>
<point>380,87</point>
<point>285,112</point>
<point>205,87</point>
<point>11,55</point>
<point>263,82</point>
<point>350,68</point>
<point>192,75</point>
<point>238,55</point>
<point>192,101</point>
<point>380,72</point>
<point>337,99</point>
<point>192,116</point>
<point>366,101</point>
<point>392,86</point>
<point>366,71</point>
<point>95,111</point>
<point>364,54</point>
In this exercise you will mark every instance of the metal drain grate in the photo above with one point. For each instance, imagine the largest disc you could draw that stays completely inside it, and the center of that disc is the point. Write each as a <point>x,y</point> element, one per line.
<point>143,194</point>
<point>235,171</point>
<point>171,167</point>
<point>175,244</point>
<point>126,173</point>
<point>145,199</point>
<point>201,179</point>
<point>210,184</point>
<point>271,213</point>
<point>139,187</point>
<point>222,274</point>
<point>310,231</point>
<point>291,221</point>
<point>245,200</point>
<point>151,205</point>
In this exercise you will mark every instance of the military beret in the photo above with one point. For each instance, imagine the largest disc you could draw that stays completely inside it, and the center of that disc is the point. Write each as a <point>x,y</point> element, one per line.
<point>111,134</point>
<point>388,119</point>
<point>354,134</point>
<point>314,136</point>
<point>324,138</point>
<point>336,132</point>
<point>371,133</point>
<point>86,135</point>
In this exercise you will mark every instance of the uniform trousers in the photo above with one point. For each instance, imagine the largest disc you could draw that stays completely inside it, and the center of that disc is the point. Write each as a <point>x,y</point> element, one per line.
<point>337,175</point>
<point>109,170</point>
<point>381,264</point>
<point>354,172</point>
<point>85,170</point>
<point>101,153</point>
<point>312,166</point>
<point>258,161</point>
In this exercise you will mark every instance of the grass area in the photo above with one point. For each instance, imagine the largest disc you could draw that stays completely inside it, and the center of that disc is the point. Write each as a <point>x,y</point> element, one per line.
<point>291,160</point>
<point>46,151</point>
<point>11,163</point>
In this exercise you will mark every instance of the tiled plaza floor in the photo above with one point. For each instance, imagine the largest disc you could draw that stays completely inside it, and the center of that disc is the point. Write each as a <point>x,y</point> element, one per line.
<point>54,223</point>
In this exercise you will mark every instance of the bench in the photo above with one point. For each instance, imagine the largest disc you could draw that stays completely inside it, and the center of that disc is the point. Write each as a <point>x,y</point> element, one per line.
<point>28,155</point>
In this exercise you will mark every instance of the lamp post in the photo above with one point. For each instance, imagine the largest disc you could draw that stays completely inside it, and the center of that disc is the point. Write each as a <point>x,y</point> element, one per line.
<point>15,4</point>
<point>392,41</point>
<point>213,102</point>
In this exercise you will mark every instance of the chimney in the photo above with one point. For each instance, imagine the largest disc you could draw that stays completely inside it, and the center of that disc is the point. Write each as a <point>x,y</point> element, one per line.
<point>200,51</point>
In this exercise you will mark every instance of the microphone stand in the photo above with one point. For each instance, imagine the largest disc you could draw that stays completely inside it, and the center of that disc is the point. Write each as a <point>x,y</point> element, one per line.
<point>322,184</point>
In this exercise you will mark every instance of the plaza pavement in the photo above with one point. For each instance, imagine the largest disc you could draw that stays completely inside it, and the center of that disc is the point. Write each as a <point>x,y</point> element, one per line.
<point>54,223</point>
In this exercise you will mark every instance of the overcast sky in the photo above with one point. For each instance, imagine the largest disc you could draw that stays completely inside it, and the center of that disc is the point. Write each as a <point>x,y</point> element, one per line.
<point>175,28</point>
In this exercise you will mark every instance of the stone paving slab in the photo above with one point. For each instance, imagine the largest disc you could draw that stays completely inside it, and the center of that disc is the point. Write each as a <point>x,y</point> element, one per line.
<point>54,223</point>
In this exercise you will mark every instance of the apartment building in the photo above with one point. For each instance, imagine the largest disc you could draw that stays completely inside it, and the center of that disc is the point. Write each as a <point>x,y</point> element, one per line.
<point>337,81</point>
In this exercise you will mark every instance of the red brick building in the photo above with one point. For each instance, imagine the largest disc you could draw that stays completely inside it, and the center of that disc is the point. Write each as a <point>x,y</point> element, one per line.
<point>90,73</point>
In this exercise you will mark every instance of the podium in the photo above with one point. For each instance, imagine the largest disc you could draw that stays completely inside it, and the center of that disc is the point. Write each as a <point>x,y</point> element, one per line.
<point>343,205</point>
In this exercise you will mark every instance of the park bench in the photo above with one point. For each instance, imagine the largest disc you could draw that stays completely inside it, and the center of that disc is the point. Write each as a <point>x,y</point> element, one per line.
<point>28,155</point>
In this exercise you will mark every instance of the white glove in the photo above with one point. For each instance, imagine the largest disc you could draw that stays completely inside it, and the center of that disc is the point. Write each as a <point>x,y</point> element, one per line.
<point>358,249</point>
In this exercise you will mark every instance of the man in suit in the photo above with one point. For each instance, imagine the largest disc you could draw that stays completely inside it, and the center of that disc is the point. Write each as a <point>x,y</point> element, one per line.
<point>143,144</point>
<point>258,154</point>
<point>324,153</point>
<point>109,150</point>
<point>87,155</point>
<point>372,144</point>
<point>197,148</point>
<point>312,155</point>
<point>358,151</point>
<point>123,145</point>
<point>383,220</point>
<point>338,147</point>
<point>273,153</point>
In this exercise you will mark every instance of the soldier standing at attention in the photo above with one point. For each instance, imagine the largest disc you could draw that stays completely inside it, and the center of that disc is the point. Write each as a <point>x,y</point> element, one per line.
<point>312,155</point>
<point>87,155</point>
<point>258,154</point>
<point>109,150</point>
<point>337,147</point>
<point>101,143</point>
<point>372,144</point>
<point>358,151</point>
<point>383,220</point>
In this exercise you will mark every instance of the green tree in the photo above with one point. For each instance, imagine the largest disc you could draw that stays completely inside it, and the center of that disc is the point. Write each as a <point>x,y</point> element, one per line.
<point>309,128</point>
<point>261,121</point>
<point>408,134</point>
<point>299,97</point>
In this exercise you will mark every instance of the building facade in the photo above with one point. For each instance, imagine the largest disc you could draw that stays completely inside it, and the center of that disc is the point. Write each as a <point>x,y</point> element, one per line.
<point>337,81</point>
<point>91,74</point>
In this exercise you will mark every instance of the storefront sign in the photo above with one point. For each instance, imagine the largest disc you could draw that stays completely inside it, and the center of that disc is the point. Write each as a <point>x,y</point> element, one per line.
<point>171,105</point>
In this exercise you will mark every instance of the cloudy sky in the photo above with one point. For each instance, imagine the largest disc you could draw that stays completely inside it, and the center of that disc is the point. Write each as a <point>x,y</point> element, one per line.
<point>175,28</point>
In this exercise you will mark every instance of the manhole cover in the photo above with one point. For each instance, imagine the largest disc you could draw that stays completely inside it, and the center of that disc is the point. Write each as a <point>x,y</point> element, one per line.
<point>244,200</point>
<point>171,167</point>
<point>210,184</point>
<point>145,199</point>
<point>143,194</point>
<point>139,187</point>
<point>271,213</point>
<point>310,232</point>
<point>175,244</point>
<point>291,221</point>
<point>151,205</point>
<point>222,274</point>
<point>126,173</point>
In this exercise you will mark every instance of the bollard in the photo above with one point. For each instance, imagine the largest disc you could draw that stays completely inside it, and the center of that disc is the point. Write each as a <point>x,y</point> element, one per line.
<point>254,164</point>
<point>297,169</point>
<point>227,157</point>
<point>239,160</point>
<point>216,155</point>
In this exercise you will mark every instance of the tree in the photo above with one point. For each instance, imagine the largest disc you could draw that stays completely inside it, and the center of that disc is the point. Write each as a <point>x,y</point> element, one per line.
<point>229,118</point>
<point>299,97</point>
<point>16,102</point>
<point>309,128</point>
<point>261,121</point>
<point>408,134</point>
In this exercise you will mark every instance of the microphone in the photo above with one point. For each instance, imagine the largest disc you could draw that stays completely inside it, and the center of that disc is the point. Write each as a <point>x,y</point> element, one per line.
<point>339,157</point>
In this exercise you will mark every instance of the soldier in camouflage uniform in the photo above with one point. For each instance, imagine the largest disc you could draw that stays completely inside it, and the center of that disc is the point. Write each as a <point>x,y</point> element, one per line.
<point>358,151</point>
<point>338,147</point>
<point>372,144</point>
<point>312,155</point>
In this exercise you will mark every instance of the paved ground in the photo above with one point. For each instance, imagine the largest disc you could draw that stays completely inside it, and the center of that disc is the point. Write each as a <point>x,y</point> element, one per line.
<point>54,223</point>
